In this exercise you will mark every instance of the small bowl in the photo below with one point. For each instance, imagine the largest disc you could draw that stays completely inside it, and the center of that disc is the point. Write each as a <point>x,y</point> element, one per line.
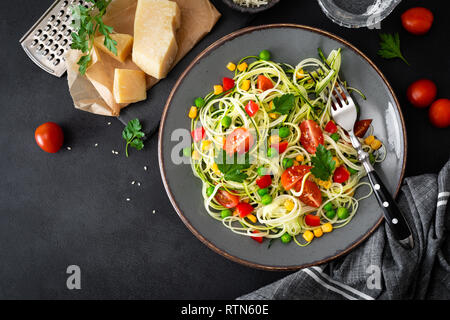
<point>237,7</point>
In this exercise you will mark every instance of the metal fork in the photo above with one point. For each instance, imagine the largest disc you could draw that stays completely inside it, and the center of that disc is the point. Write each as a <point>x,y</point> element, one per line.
<point>344,113</point>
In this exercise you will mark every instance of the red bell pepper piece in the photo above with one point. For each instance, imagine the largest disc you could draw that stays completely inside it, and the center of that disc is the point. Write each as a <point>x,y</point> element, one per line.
<point>263,83</point>
<point>331,127</point>
<point>264,181</point>
<point>198,134</point>
<point>280,147</point>
<point>244,209</point>
<point>312,220</point>
<point>341,174</point>
<point>258,239</point>
<point>251,108</point>
<point>227,84</point>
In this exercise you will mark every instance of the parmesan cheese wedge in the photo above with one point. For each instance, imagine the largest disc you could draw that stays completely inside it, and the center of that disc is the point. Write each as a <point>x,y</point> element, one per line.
<point>124,45</point>
<point>155,46</point>
<point>129,86</point>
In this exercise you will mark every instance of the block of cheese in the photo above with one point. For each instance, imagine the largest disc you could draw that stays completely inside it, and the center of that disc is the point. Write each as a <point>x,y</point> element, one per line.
<point>129,86</point>
<point>155,46</point>
<point>124,45</point>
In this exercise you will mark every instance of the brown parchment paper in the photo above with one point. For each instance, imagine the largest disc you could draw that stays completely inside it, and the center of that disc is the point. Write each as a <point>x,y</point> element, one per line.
<point>94,91</point>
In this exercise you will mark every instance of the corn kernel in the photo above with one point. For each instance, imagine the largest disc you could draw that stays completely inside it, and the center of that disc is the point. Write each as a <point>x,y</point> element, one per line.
<point>231,66</point>
<point>289,205</point>
<point>252,218</point>
<point>218,89</point>
<point>369,140</point>
<point>318,232</point>
<point>327,184</point>
<point>242,67</point>
<point>351,192</point>
<point>245,85</point>
<point>336,159</point>
<point>376,144</point>
<point>274,139</point>
<point>271,105</point>
<point>215,168</point>
<point>193,112</point>
<point>196,155</point>
<point>300,74</point>
<point>296,163</point>
<point>300,158</point>
<point>274,115</point>
<point>206,144</point>
<point>235,213</point>
<point>327,227</point>
<point>308,235</point>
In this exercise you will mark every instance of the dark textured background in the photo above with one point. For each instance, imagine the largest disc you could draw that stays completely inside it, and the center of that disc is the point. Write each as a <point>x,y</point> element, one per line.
<point>70,207</point>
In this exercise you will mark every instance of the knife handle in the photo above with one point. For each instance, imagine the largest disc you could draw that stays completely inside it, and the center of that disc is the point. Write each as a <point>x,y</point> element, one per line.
<point>393,216</point>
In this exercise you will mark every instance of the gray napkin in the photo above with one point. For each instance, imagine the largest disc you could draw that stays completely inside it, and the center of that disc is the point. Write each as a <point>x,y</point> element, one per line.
<point>380,268</point>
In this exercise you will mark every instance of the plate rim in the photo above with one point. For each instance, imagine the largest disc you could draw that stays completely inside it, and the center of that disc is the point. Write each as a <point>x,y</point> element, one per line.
<point>179,81</point>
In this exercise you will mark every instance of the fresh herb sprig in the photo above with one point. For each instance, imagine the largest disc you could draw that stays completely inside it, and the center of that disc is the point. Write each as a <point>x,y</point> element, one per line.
<point>232,167</point>
<point>390,47</point>
<point>87,22</point>
<point>133,135</point>
<point>283,104</point>
<point>323,163</point>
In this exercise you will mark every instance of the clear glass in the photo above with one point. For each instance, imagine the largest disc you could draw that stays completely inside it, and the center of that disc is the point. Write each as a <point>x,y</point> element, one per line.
<point>358,13</point>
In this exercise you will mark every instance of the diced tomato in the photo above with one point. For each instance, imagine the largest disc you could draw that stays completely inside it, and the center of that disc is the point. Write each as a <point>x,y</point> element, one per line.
<point>198,134</point>
<point>312,220</point>
<point>227,84</point>
<point>311,136</point>
<point>244,209</point>
<point>264,181</point>
<point>292,175</point>
<point>361,127</point>
<point>257,239</point>
<point>311,195</point>
<point>263,83</point>
<point>341,174</point>
<point>226,199</point>
<point>240,141</point>
<point>280,147</point>
<point>331,127</point>
<point>251,108</point>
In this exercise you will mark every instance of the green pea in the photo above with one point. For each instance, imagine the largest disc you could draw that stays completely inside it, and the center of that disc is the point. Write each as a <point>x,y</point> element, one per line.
<point>284,132</point>
<point>263,192</point>
<point>264,55</point>
<point>272,152</point>
<point>187,152</point>
<point>352,171</point>
<point>335,137</point>
<point>330,214</point>
<point>199,102</point>
<point>225,213</point>
<point>209,191</point>
<point>342,213</point>
<point>287,162</point>
<point>371,158</point>
<point>262,171</point>
<point>328,206</point>
<point>226,121</point>
<point>266,199</point>
<point>286,238</point>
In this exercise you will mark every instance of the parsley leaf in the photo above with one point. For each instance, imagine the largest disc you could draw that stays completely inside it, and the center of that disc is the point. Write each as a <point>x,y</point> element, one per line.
<point>323,163</point>
<point>86,22</point>
<point>283,104</point>
<point>390,47</point>
<point>133,135</point>
<point>232,167</point>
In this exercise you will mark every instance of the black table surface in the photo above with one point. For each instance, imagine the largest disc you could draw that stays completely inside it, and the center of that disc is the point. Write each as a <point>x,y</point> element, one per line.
<point>70,208</point>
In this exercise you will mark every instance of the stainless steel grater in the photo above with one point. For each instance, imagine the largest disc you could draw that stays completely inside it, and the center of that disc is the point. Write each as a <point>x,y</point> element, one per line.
<point>49,38</point>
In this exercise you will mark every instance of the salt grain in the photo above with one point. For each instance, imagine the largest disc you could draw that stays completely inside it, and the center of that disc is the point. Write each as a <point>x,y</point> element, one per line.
<point>133,182</point>
<point>145,168</point>
<point>69,148</point>
<point>128,199</point>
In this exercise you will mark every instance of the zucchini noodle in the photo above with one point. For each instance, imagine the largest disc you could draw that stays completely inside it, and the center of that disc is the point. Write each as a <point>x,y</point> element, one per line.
<point>310,83</point>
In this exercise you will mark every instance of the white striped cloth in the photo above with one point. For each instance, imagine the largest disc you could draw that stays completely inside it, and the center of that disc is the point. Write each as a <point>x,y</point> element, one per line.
<point>380,268</point>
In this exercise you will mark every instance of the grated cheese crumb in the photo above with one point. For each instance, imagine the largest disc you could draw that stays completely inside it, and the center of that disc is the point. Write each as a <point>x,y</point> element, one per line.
<point>69,148</point>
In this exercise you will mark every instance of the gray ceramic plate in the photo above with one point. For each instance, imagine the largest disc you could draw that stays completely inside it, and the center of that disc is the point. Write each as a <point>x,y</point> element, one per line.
<point>288,43</point>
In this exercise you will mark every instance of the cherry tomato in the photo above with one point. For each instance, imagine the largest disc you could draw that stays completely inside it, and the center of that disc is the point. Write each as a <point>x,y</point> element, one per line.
<point>417,20</point>
<point>244,209</point>
<point>361,127</point>
<point>251,108</point>
<point>240,141</point>
<point>49,137</point>
<point>439,113</point>
<point>226,199</point>
<point>198,134</point>
<point>263,83</point>
<point>311,195</point>
<point>312,220</point>
<point>341,174</point>
<point>257,239</point>
<point>264,181</point>
<point>311,136</point>
<point>227,84</point>
<point>292,175</point>
<point>421,93</point>
<point>280,147</point>
<point>331,127</point>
